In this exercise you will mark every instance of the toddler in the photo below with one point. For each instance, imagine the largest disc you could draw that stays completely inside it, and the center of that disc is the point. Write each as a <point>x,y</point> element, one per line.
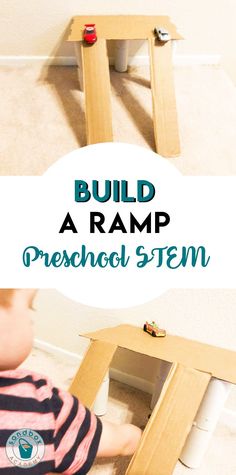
<point>42,428</point>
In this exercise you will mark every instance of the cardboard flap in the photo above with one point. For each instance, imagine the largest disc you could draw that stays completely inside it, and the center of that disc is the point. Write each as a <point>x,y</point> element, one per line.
<point>91,372</point>
<point>170,422</point>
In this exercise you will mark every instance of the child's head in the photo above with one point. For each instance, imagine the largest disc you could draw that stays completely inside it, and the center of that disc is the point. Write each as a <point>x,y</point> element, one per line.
<point>16,334</point>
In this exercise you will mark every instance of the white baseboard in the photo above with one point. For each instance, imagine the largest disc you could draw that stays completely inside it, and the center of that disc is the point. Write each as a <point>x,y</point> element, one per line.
<point>196,59</point>
<point>57,350</point>
<point>20,61</point>
<point>133,381</point>
<point>137,60</point>
<point>178,60</point>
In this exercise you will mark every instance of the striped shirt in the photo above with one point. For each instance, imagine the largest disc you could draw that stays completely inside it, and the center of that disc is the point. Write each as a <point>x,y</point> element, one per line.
<point>69,431</point>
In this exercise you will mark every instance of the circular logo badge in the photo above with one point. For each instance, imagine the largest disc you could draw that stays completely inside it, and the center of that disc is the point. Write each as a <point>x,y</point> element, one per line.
<point>25,448</point>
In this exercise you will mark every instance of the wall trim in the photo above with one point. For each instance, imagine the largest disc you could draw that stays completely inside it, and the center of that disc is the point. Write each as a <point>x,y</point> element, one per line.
<point>56,350</point>
<point>133,381</point>
<point>14,61</point>
<point>197,59</point>
<point>137,60</point>
<point>178,60</point>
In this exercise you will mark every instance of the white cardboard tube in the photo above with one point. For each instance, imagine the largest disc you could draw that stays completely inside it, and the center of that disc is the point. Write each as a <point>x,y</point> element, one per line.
<point>205,422</point>
<point>195,447</point>
<point>100,404</point>
<point>212,404</point>
<point>121,55</point>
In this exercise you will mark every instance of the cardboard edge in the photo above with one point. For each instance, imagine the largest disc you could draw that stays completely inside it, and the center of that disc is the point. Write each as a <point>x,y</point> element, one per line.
<point>74,36</point>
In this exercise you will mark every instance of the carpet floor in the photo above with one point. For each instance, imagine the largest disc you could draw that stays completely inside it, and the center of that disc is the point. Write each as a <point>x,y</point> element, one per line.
<point>42,117</point>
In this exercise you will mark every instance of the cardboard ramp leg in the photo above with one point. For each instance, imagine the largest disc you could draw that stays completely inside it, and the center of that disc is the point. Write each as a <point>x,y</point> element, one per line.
<point>96,79</point>
<point>95,363</point>
<point>165,121</point>
<point>170,422</point>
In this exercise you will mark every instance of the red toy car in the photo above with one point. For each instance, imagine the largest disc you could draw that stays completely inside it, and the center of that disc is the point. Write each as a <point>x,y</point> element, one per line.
<point>153,329</point>
<point>90,35</point>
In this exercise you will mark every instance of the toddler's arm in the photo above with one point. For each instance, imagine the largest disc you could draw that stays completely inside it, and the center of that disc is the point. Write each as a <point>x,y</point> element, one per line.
<point>118,439</point>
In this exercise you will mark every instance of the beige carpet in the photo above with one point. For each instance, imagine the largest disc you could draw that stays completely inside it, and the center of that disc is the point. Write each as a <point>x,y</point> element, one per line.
<point>127,404</point>
<point>42,117</point>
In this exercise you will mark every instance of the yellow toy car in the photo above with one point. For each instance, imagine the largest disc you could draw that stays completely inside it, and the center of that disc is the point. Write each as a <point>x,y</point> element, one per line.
<point>153,329</point>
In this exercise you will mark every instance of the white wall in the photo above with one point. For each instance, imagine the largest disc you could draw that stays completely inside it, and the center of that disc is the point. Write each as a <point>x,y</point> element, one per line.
<point>37,27</point>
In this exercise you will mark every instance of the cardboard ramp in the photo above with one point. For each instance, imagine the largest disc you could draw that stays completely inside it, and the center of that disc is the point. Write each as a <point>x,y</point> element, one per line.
<point>96,81</point>
<point>165,120</point>
<point>169,425</point>
<point>193,364</point>
<point>94,63</point>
